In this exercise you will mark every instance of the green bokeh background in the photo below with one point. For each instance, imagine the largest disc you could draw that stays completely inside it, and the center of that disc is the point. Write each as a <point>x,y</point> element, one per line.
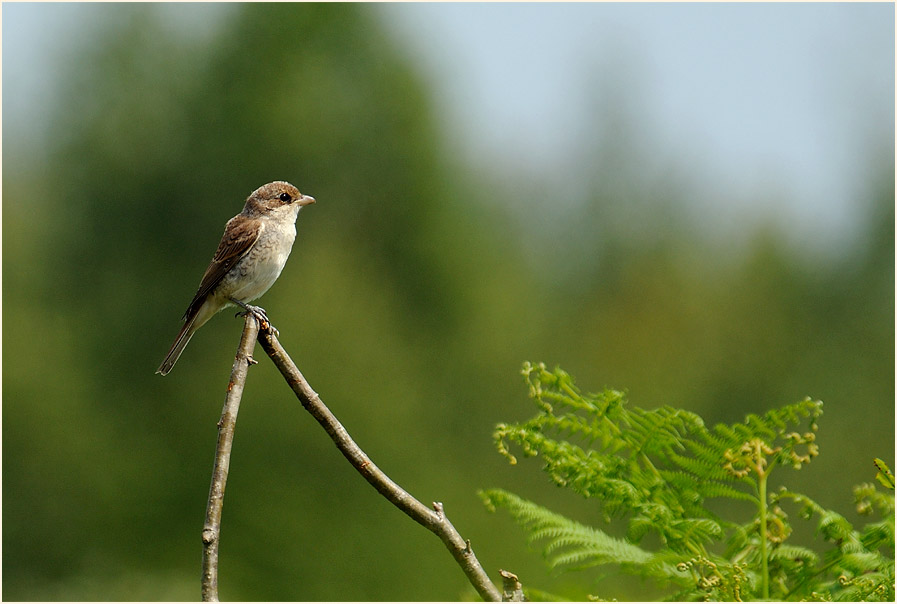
<point>414,292</point>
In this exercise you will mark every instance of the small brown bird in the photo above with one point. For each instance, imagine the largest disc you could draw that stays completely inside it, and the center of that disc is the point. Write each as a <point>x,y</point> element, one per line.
<point>253,250</point>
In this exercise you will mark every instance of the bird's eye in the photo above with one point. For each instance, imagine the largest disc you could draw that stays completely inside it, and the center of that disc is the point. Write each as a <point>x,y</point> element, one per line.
<point>285,197</point>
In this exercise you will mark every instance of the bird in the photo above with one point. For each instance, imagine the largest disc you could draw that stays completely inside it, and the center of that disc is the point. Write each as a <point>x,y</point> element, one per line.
<point>250,257</point>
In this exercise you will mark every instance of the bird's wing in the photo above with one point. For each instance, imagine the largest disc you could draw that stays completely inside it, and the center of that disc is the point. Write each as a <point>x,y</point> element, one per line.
<point>240,235</point>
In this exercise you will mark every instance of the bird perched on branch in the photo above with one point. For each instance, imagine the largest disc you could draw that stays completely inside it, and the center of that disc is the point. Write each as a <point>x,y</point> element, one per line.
<point>253,250</point>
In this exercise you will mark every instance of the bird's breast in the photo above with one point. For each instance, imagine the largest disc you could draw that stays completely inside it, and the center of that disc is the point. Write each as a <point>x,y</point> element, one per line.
<point>257,271</point>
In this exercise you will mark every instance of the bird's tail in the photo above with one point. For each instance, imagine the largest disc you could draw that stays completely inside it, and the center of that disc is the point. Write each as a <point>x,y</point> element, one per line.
<point>177,348</point>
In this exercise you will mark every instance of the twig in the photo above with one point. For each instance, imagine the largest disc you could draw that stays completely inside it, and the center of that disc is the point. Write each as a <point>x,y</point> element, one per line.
<point>434,519</point>
<point>226,425</point>
<point>512,590</point>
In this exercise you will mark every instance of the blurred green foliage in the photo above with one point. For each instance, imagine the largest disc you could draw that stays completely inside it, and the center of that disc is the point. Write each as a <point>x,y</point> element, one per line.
<point>411,298</point>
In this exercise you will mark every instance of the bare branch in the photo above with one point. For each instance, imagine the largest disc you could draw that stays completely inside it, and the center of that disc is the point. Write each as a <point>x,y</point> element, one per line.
<point>434,520</point>
<point>211,530</point>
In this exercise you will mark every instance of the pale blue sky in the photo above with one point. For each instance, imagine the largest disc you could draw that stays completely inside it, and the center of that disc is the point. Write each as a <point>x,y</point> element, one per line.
<point>749,99</point>
<point>744,98</point>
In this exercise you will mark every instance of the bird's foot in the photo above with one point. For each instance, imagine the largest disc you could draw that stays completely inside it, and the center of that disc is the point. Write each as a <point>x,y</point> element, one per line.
<point>259,313</point>
<point>256,311</point>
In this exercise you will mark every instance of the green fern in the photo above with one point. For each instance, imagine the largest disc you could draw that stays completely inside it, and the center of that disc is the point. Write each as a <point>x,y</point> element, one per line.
<point>656,469</point>
<point>569,543</point>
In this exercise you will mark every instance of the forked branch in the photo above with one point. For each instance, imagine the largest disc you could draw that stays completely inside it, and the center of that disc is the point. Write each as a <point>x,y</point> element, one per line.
<point>433,519</point>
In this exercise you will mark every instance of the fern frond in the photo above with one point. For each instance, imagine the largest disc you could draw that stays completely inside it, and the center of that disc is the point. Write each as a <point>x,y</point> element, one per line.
<point>869,498</point>
<point>697,530</point>
<point>658,468</point>
<point>707,488</point>
<point>878,535</point>
<point>567,543</point>
<point>769,427</point>
<point>794,553</point>
<point>884,476</point>
<point>611,551</point>
<point>659,431</point>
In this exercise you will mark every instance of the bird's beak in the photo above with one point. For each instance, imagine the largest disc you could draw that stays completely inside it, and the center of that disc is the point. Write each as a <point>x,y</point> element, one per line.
<point>306,200</point>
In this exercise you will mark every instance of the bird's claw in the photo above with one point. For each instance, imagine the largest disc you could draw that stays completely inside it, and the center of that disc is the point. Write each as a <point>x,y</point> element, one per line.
<point>258,313</point>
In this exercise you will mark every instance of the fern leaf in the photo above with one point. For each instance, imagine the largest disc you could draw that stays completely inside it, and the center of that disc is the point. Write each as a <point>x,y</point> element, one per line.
<point>794,553</point>
<point>566,543</point>
<point>884,476</point>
